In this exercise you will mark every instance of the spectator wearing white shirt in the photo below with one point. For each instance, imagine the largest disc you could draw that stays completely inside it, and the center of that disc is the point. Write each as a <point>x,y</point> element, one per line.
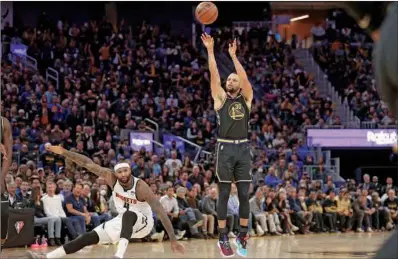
<point>170,205</point>
<point>52,205</point>
<point>173,163</point>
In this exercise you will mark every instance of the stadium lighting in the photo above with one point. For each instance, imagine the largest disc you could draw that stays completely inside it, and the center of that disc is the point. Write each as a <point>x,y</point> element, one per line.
<point>299,18</point>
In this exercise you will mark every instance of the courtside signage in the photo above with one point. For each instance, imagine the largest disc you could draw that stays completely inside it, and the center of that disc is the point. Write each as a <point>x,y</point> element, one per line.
<point>352,137</point>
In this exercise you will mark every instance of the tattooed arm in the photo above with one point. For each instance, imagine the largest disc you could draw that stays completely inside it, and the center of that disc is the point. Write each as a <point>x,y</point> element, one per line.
<point>145,194</point>
<point>85,162</point>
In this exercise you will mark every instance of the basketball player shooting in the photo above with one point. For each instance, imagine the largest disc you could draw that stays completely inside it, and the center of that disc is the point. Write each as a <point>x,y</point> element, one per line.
<point>134,202</point>
<point>233,155</point>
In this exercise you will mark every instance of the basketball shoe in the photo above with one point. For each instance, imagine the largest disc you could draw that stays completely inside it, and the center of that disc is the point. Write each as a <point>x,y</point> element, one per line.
<point>241,245</point>
<point>225,247</point>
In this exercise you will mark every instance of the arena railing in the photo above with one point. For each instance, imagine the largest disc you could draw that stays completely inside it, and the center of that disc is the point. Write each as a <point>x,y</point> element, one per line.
<point>199,148</point>
<point>27,61</point>
<point>156,132</point>
<point>16,156</point>
<point>316,175</point>
<point>53,74</point>
<point>375,125</point>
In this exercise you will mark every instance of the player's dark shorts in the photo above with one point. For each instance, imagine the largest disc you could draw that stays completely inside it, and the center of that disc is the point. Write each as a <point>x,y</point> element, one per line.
<point>233,161</point>
<point>4,217</point>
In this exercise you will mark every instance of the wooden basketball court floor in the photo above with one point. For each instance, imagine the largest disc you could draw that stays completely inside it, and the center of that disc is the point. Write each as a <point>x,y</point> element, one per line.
<point>350,245</point>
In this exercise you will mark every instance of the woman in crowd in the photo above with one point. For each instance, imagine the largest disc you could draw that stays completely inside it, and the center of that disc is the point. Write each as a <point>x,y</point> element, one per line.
<point>54,224</point>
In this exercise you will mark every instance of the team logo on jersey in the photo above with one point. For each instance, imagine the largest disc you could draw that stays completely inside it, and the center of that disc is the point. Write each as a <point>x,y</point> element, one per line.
<point>126,199</point>
<point>19,226</point>
<point>236,111</point>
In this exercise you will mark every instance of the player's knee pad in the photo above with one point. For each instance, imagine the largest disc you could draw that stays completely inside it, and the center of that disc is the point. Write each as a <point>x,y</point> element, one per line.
<point>243,194</point>
<point>87,239</point>
<point>128,220</point>
<point>224,190</point>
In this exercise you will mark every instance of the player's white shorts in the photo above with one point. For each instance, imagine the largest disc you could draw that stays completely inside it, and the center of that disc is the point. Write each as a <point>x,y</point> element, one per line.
<point>109,232</point>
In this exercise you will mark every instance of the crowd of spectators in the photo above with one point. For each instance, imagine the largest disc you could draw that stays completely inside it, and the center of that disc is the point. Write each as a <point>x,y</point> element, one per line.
<point>112,78</point>
<point>344,52</point>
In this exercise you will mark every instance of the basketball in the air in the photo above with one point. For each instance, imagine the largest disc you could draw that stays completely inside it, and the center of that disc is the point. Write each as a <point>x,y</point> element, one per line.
<point>206,13</point>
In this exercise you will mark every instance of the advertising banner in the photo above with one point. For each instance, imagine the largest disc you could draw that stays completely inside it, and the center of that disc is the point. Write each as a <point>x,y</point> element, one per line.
<point>141,139</point>
<point>355,138</point>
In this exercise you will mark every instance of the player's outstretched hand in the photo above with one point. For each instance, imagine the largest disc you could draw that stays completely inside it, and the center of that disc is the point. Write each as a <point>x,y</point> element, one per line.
<point>232,48</point>
<point>55,149</point>
<point>207,41</point>
<point>177,247</point>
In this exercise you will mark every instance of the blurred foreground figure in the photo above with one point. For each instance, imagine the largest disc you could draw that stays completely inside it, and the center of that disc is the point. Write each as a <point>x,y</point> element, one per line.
<point>380,19</point>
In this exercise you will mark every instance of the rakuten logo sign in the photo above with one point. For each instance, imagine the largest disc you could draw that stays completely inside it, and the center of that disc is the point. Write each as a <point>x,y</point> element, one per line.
<point>351,138</point>
<point>382,138</point>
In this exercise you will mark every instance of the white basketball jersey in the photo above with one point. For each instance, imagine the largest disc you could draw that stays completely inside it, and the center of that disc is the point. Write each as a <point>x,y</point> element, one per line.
<point>127,200</point>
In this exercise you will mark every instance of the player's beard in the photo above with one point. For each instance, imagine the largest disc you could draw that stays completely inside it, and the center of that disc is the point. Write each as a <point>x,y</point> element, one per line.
<point>125,181</point>
<point>232,90</point>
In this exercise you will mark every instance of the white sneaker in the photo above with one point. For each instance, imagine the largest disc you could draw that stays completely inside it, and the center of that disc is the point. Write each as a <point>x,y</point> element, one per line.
<point>369,230</point>
<point>260,231</point>
<point>231,235</point>
<point>279,229</point>
<point>359,230</point>
<point>180,234</point>
<point>294,228</point>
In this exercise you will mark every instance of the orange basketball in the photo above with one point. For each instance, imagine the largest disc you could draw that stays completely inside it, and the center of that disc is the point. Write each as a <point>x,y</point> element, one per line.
<point>206,13</point>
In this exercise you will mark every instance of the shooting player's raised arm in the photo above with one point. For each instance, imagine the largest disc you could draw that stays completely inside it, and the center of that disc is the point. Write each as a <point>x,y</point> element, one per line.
<point>217,91</point>
<point>246,86</point>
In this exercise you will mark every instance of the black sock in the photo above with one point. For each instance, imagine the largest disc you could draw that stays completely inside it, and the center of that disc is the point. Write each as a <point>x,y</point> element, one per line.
<point>243,231</point>
<point>223,234</point>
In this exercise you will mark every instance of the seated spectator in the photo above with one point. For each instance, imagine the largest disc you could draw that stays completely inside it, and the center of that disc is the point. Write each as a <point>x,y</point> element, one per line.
<point>330,211</point>
<point>52,205</point>
<point>76,209</point>
<point>369,210</point>
<point>54,224</point>
<point>209,203</point>
<point>344,211</point>
<point>197,176</point>
<point>66,189</point>
<point>298,216</point>
<point>99,205</point>
<point>15,201</point>
<point>380,217</point>
<point>315,206</point>
<point>283,208</point>
<point>306,214</point>
<point>271,179</point>
<point>208,220</point>
<point>189,215</point>
<point>183,180</point>
<point>170,205</point>
<point>141,170</point>
<point>359,208</point>
<point>273,216</point>
<point>24,190</point>
<point>391,207</point>
<point>233,210</point>
<point>86,195</point>
<point>257,208</point>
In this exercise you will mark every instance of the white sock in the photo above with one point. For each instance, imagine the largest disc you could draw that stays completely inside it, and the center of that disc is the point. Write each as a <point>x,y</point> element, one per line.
<point>121,247</point>
<point>57,253</point>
